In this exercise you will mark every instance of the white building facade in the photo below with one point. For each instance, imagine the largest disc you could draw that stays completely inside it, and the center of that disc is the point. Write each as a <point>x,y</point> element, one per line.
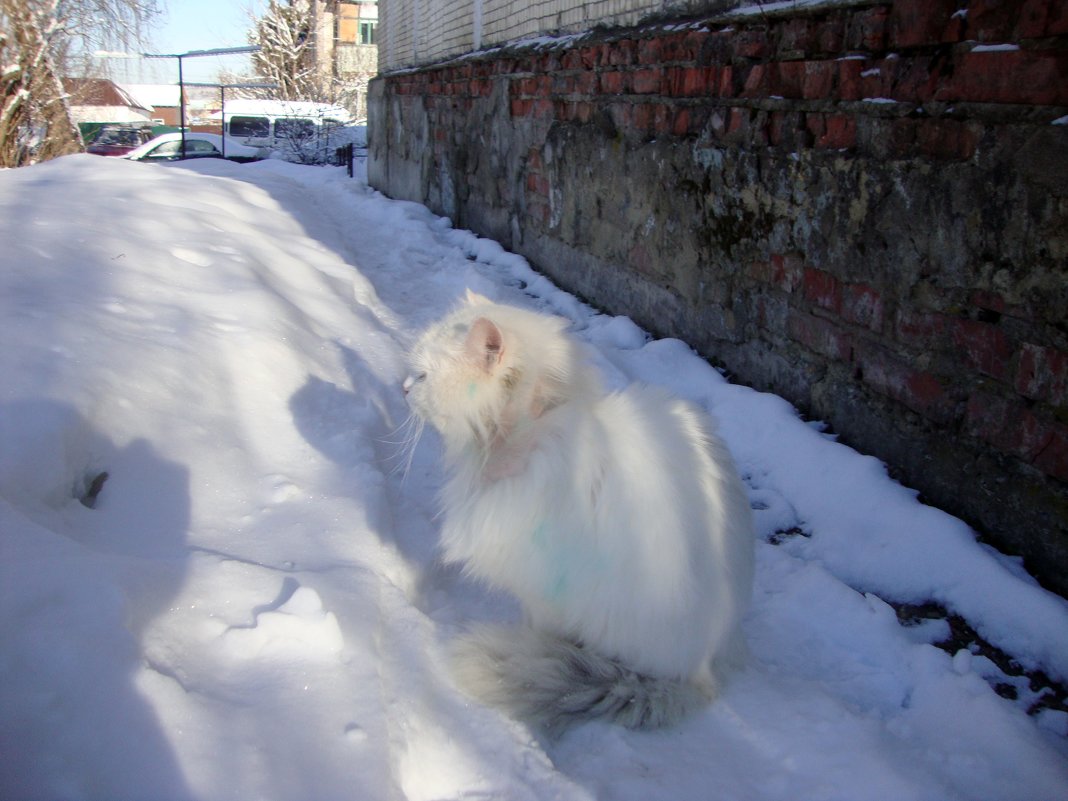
<point>418,32</point>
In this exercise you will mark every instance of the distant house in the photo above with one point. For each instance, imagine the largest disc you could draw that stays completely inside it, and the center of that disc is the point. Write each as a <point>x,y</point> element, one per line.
<point>163,99</point>
<point>102,100</point>
<point>345,45</point>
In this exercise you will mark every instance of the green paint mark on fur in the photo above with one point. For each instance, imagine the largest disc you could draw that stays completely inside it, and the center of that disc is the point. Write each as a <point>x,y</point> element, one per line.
<point>557,572</point>
<point>472,389</point>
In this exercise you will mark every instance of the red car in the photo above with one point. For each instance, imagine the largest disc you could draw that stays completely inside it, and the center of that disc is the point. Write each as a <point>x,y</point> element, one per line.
<point>118,140</point>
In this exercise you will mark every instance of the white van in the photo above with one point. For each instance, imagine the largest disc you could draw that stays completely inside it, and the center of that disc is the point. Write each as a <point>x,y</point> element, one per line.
<point>289,126</point>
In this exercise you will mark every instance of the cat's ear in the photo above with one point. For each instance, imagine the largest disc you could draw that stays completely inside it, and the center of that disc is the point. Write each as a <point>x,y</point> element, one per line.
<point>485,344</point>
<point>475,299</point>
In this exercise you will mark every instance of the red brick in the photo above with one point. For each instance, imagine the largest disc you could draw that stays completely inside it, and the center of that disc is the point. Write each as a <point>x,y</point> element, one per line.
<point>527,87</point>
<point>863,305</point>
<point>815,125</point>
<point>538,184</point>
<point>681,124</point>
<point>521,108</point>
<point>1010,427</point>
<point>580,112</point>
<point>911,80</point>
<point>613,83</point>
<point>756,82</point>
<point>674,47</point>
<point>786,79</point>
<point>822,289</point>
<point>1009,76</point>
<point>796,35</point>
<point>777,129</point>
<point>921,329</point>
<point>818,79</point>
<point>750,43</point>
<point>572,60</point>
<point>824,337</point>
<point>726,82</point>
<point>694,42</point>
<point>1040,18</point>
<point>918,390</point>
<point>696,81</point>
<point>839,132</point>
<point>622,53</point>
<point>640,118</point>
<point>992,20</point>
<point>1042,374</point>
<point>737,124</point>
<point>868,30</point>
<point>956,28</point>
<point>828,36</point>
<point>984,347</point>
<point>649,51</point>
<point>850,83</point>
<point>788,271</point>
<point>646,81</point>
<point>919,22</point>
<point>586,83</point>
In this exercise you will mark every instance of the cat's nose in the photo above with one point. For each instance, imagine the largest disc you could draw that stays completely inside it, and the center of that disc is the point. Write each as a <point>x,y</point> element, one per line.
<point>411,381</point>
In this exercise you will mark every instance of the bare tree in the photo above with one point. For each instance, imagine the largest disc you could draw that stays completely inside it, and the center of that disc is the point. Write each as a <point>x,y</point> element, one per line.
<point>39,43</point>
<point>289,55</point>
<point>287,49</point>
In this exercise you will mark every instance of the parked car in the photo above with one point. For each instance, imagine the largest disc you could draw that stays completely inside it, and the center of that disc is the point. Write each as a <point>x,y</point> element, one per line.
<point>118,140</point>
<point>168,147</point>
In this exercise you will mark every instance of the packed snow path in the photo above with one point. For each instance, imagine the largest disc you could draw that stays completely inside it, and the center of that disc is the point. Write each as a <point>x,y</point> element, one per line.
<point>252,608</point>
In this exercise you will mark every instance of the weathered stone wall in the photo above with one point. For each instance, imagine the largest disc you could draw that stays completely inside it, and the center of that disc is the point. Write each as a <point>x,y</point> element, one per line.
<point>863,209</point>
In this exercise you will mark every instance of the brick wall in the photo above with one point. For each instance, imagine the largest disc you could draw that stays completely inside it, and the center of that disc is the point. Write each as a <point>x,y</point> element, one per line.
<point>862,207</point>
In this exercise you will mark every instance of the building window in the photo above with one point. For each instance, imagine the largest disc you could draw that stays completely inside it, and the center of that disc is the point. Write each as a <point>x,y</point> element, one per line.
<point>367,32</point>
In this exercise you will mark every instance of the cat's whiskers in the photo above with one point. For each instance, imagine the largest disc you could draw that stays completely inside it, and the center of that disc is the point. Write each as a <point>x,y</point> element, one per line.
<point>410,431</point>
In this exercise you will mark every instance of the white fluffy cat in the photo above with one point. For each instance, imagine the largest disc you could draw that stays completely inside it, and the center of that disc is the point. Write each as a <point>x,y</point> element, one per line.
<point>618,521</point>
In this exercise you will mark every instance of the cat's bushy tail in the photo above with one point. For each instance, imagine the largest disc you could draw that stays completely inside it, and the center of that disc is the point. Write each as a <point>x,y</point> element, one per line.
<point>552,683</point>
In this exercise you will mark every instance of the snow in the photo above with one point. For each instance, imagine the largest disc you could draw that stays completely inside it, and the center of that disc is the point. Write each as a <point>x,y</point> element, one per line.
<point>994,48</point>
<point>253,607</point>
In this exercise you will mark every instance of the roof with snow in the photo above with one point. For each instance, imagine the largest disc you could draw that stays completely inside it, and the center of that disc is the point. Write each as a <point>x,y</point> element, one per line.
<point>153,95</point>
<point>286,108</point>
<point>100,92</point>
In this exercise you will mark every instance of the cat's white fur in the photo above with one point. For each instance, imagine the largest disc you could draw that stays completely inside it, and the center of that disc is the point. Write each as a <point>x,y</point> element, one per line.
<point>618,520</point>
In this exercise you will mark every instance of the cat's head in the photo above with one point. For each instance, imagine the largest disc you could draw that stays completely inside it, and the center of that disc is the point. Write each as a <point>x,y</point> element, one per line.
<point>484,369</point>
